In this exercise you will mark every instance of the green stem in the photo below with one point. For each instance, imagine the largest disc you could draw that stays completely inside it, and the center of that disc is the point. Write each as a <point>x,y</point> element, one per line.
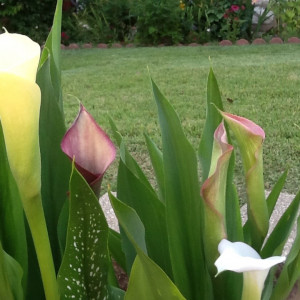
<point>37,224</point>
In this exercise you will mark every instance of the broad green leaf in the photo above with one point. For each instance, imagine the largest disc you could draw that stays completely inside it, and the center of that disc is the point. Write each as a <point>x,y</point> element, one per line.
<point>213,119</point>
<point>291,270</point>
<point>55,165</point>
<point>275,193</point>
<point>116,293</point>
<point>148,282</point>
<point>53,53</point>
<point>271,199</point>
<point>10,277</point>
<point>279,235</point>
<point>84,269</point>
<point>184,207</point>
<point>128,159</point>
<point>157,163</point>
<point>130,222</point>
<point>150,210</point>
<point>12,226</point>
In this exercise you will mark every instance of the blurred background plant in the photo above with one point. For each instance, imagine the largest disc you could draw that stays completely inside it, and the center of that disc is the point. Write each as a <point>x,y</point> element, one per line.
<point>287,13</point>
<point>150,22</point>
<point>32,17</point>
<point>158,21</point>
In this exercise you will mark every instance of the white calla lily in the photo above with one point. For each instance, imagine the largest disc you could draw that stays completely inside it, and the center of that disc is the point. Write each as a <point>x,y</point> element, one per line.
<point>241,258</point>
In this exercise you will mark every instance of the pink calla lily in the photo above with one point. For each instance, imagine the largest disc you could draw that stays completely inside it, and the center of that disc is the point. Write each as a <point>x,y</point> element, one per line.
<point>213,193</point>
<point>91,148</point>
<point>250,139</point>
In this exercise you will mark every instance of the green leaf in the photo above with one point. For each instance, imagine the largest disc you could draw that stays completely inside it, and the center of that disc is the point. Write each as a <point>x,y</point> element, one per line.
<point>148,282</point>
<point>213,119</point>
<point>127,158</point>
<point>150,210</point>
<point>157,163</point>
<point>10,277</point>
<point>53,53</point>
<point>129,221</point>
<point>275,193</point>
<point>84,269</point>
<point>116,293</point>
<point>184,207</point>
<point>56,167</point>
<point>291,270</point>
<point>280,234</point>
<point>12,226</point>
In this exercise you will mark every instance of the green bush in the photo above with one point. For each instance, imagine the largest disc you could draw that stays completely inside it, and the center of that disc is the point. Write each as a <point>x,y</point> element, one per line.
<point>32,17</point>
<point>158,21</point>
<point>98,21</point>
<point>287,16</point>
<point>216,20</point>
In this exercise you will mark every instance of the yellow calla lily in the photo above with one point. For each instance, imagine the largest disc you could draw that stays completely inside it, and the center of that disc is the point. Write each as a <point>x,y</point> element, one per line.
<point>20,100</point>
<point>19,55</point>
<point>19,113</point>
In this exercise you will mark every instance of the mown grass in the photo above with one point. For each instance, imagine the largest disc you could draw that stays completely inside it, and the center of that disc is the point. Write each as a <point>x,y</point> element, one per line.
<point>262,81</point>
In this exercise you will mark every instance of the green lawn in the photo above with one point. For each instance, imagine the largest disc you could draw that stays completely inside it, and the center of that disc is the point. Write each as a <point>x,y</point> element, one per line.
<point>262,81</point>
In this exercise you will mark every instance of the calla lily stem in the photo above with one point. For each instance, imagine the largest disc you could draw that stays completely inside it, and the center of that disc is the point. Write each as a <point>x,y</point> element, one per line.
<point>37,224</point>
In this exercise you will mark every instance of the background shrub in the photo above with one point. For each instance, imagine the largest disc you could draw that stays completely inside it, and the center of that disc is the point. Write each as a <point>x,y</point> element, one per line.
<point>31,17</point>
<point>158,21</point>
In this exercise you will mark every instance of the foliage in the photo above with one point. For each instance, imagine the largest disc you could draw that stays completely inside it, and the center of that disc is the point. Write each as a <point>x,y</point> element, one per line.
<point>33,17</point>
<point>99,21</point>
<point>257,79</point>
<point>287,16</point>
<point>158,21</point>
<point>168,233</point>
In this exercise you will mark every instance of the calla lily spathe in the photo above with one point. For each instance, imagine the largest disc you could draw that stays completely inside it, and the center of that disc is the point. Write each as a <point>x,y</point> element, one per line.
<point>250,139</point>
<point>91,148</point>
<point>213,192</point>
<point>241,258</point>
<point>20,99</point>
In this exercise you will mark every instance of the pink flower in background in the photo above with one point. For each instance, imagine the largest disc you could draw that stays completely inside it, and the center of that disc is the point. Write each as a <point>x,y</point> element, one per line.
<point>64,36</point>
<point>243,7</point>
<point>235,8</point>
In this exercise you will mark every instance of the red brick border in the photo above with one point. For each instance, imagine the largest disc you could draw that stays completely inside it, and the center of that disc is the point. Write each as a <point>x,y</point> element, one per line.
<point>241,42</point>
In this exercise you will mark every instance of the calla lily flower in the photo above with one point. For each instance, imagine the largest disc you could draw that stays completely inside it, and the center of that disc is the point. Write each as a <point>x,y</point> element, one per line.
<point>250,139</point>
<point>213,193</point>
<point>241,258</point>
<point>20,99</point>
<point>91,148</point>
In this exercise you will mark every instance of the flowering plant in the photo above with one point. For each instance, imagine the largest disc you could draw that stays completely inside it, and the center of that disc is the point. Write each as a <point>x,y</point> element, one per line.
<point>235,17</point>
<point>169,236</point>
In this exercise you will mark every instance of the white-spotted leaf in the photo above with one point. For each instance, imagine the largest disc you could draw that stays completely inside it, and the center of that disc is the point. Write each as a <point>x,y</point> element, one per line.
<point>84,269</point>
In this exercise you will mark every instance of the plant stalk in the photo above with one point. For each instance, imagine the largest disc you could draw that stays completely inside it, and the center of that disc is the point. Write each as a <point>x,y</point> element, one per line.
<point>37,224</point>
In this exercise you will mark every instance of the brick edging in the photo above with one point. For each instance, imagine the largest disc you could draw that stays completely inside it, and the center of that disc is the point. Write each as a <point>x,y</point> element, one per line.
<point>240,42</point>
